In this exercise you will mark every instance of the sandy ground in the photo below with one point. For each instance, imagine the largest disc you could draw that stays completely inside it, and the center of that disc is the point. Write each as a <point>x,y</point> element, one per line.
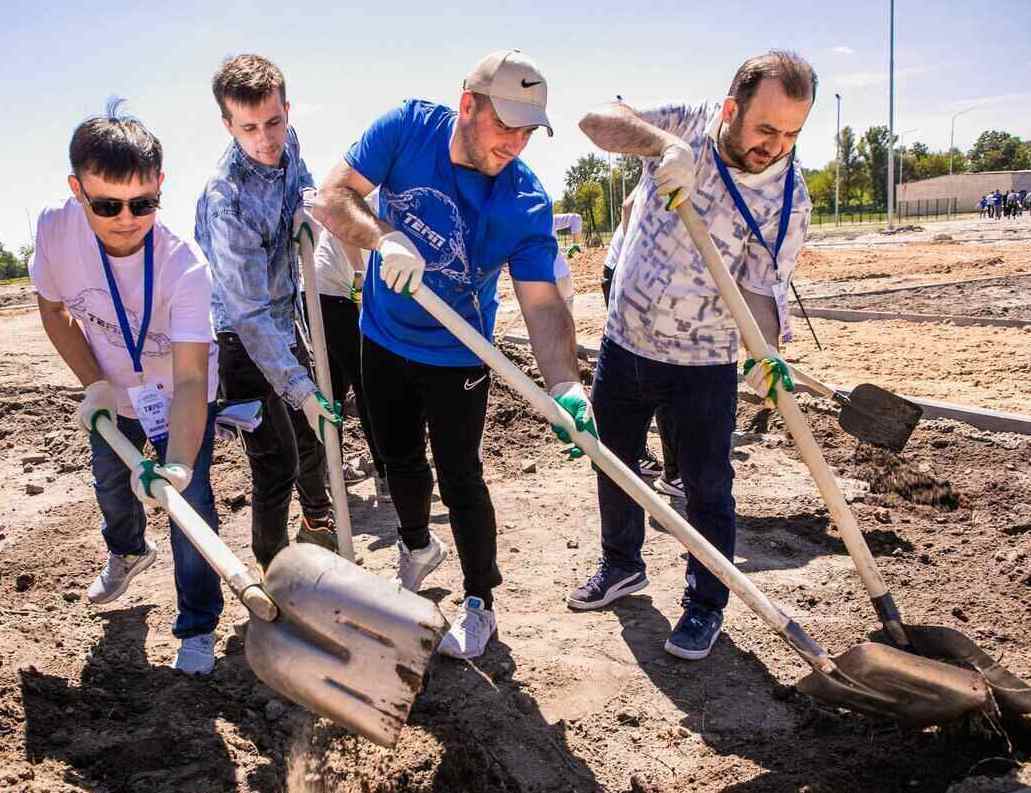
<point>562,701</point>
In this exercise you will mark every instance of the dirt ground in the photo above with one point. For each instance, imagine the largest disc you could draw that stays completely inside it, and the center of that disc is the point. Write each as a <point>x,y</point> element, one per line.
<point>562,701</point>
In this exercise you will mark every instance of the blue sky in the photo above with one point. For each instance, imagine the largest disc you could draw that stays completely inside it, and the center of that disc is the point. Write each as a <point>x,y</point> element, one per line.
<point>344,66</point>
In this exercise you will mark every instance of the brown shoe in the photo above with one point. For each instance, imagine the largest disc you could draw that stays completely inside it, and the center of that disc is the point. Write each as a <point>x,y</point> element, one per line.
<point>319,531</point>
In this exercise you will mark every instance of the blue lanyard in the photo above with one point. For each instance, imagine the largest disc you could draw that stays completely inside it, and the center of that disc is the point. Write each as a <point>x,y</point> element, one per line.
<point>742,207</point>
<point>135,348</point>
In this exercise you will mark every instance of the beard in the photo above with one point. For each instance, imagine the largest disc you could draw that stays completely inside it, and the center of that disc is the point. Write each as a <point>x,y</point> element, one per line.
<point>474,151</point>
<point>735,151</point>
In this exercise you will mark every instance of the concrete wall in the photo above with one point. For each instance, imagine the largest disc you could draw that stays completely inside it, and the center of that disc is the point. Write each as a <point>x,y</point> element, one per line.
<point>967,188</point>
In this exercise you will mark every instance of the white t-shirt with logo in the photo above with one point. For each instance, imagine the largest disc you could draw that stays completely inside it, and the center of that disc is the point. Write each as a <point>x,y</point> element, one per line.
<point>66,268</point>
<point>665,305</point>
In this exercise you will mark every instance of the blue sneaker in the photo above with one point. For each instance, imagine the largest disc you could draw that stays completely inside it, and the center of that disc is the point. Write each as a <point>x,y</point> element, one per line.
<point>695,634</point>
<point>608,584</point>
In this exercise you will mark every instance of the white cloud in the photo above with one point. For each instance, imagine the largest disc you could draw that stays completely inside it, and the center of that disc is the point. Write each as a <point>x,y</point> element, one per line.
<point>868,79</point>
<point>987,101</point>
<point>841,49</point>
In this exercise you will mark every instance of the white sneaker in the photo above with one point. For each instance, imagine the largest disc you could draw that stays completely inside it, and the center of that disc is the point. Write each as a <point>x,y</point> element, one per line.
<point>414,566</point>
<point>196,655</point>
<point>469,633</point>
<point>118,572</point>
<point>382,489</point>
<point>674,488</point>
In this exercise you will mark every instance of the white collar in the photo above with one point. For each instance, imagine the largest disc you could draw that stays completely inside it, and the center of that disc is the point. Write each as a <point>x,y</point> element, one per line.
<point>752,180</point>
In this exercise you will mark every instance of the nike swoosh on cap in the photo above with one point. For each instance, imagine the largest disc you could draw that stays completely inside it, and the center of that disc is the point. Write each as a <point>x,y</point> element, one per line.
<point>525,84</point>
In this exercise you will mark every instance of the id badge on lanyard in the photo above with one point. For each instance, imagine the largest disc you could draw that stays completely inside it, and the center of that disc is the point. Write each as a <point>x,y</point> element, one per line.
<point>780,288</point>
<point>150,405</point>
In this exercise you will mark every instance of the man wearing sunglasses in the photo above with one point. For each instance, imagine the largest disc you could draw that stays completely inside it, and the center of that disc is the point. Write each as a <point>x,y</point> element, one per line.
<point>126,303</point>
<point>244,219</point>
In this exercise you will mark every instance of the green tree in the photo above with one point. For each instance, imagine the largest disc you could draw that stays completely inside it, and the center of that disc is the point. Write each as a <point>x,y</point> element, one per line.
<point>999,151</point>
<point>10,265</point>
<point>852,176</point>
<point>873,150</point>
<point>587,168</point>
<point>588,201</point>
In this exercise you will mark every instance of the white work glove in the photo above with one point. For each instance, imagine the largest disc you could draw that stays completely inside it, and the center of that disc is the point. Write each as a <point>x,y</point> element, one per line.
<point>762,377</point>
<point>676,173</point>
<point>402,266</point>
<point>143,475</point>
<point>318,411</point>
<point>572,398</point>
<point>99,400</point>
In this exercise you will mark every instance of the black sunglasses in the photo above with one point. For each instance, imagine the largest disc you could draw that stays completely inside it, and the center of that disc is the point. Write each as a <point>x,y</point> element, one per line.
<point>112,207</point>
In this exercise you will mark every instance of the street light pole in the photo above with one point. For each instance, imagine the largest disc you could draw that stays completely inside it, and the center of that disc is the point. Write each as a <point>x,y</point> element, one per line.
<point>952,135</point>
<point>891,114</point>
<point>837,160</point>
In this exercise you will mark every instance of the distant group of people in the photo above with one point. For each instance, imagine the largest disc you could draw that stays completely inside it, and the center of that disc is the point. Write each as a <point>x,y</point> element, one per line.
<point>1004,205</point>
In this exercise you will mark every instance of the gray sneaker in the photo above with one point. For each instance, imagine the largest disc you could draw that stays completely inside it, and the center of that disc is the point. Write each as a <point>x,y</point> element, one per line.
<point>414,566</point>
<point>118,572</point>
<point>196,655</point>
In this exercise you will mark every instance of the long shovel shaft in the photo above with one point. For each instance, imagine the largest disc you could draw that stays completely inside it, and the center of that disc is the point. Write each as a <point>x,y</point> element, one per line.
<point>334,458</point>
<point>222,560</point>
<point>616,470</point>
<point>799,428</point>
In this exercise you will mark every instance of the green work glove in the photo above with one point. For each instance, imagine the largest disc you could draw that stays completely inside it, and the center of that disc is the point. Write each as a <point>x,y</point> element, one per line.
<point>572,250</point>
<point>764,375</point>
<point>318,411</point>
<point>572,398</point>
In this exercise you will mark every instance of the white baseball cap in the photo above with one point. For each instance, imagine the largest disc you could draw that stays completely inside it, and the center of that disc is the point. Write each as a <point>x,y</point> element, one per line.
<point>516,88</point>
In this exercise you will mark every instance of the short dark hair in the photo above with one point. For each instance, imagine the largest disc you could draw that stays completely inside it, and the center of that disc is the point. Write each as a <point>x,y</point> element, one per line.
<point>793,72</point>
<point>246,79</point>
<point>114,146</point>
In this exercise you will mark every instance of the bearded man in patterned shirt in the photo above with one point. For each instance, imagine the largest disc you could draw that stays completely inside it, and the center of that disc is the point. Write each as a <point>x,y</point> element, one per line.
<point>670,342</point>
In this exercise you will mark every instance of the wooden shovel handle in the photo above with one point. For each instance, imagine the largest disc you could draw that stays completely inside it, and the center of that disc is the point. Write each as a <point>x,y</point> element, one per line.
<point>619,473</point>
<point>334,457</point>
<point>222,560</point>
<point>796,422</point>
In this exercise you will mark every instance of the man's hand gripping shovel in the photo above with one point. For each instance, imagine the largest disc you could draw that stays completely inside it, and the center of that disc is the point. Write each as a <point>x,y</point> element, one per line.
<point>871,678</point>
<point>919,689</point>
<point>340,641</point>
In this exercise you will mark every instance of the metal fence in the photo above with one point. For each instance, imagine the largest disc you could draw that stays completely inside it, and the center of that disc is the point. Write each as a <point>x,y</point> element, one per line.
<point>923,209</point>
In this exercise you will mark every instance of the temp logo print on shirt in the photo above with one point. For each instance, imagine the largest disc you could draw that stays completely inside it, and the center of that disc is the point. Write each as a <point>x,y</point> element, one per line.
<point>92,307</point>
<point>424,213</point>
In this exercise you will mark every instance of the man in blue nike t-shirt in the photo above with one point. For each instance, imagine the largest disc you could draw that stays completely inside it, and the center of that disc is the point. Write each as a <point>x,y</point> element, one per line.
<point>456,204</point>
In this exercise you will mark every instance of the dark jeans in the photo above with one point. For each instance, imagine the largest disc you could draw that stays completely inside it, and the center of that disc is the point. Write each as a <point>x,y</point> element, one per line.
<point>702,400</point>
<point>405,398</point>
<point>663,418</point>
<point>197,587</point>
<point>344,345</point>
<point>283,451</point>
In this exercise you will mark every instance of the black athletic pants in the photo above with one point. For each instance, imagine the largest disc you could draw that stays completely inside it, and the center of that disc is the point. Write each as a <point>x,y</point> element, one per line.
<point>344,345</point>
<point>405,399</point>
<point>283,451</point>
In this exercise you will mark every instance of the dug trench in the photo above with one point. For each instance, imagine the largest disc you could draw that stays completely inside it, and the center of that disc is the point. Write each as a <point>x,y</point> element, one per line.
<point>561,701</point>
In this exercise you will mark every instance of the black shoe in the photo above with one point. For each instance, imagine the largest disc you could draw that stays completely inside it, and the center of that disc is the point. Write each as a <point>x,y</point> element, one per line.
<point>319,531</point>
<point>649,466</point>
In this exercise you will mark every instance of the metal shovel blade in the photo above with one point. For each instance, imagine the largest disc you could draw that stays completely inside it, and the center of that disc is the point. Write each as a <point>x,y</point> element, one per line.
<point>877,416</point>
<point>1012,695</point>
<point>882,681</point>
<point>348,645</point>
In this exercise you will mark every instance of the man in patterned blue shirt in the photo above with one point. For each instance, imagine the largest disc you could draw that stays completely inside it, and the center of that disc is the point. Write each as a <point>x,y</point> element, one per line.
<point>244,225</point>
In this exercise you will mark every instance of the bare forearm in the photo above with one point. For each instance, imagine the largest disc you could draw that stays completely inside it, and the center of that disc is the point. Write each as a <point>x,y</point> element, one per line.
<point>553,338</point>
<point>66,336</point>
<point>342,209</point>
<point>187,419</point>
<point>616,128</point>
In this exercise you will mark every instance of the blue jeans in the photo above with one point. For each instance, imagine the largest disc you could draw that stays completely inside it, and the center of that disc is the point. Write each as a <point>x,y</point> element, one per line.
<point>198,589</point>
<point>702,401</point>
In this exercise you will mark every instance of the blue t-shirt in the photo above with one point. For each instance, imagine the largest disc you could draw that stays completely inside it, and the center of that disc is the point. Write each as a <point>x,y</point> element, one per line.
<point>465,224</point>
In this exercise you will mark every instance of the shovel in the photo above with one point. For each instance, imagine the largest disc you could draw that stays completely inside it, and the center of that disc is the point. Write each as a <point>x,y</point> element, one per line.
<point>870,413</point>
<point>340,641</point>
<point>317,336</point>
<point>941,677</point>
<point>869,678</point>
